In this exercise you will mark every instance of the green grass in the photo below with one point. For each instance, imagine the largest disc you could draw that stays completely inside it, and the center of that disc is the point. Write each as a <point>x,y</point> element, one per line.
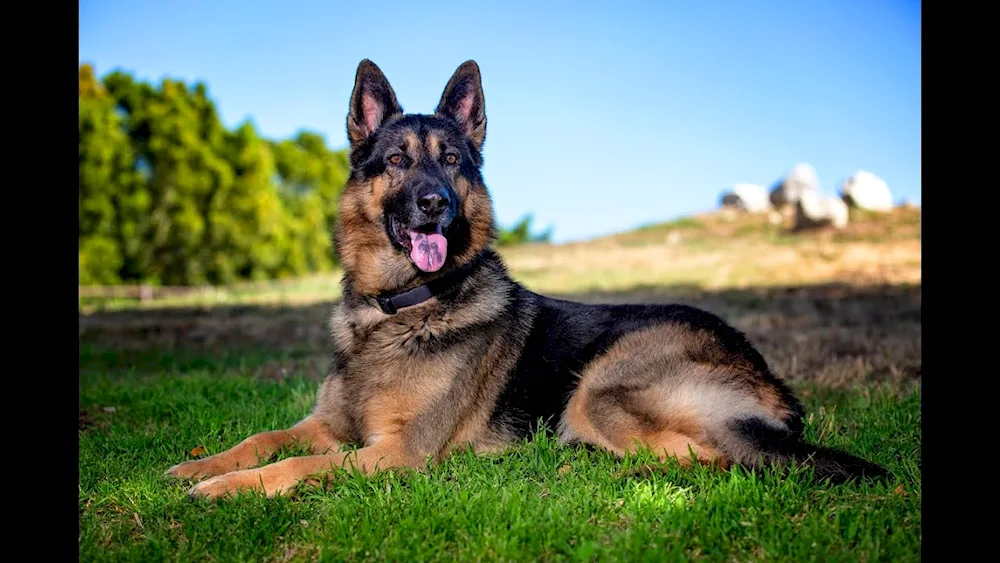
<point>837,315</point>
<point>141,412</point>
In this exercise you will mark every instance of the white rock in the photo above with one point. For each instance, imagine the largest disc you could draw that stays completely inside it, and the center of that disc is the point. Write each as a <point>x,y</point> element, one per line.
<point>801,178</point>
<point>815,210</point>
<point>747,197</point>
<point>867,191</point>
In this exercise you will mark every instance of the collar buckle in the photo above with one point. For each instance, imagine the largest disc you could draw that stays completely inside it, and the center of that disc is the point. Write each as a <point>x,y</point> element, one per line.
<point>386,305</point>
<point>383,304</point>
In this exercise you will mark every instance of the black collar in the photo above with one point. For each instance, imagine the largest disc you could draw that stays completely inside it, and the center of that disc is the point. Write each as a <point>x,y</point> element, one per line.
<point>390,303</point>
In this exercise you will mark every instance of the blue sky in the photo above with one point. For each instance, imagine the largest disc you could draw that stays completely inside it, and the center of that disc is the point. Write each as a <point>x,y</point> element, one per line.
<point>602,116</point>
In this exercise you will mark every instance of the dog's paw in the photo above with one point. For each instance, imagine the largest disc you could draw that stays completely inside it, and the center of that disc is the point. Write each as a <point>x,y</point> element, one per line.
<point>271,483</point>
<point>196,470</point>
<point>214,488</point>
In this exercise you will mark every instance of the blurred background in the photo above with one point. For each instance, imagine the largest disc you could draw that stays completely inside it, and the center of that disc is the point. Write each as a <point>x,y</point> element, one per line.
<point>212,136</point>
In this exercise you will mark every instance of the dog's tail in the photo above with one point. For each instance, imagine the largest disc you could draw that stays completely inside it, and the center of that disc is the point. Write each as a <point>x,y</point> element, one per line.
<point>751,441</point>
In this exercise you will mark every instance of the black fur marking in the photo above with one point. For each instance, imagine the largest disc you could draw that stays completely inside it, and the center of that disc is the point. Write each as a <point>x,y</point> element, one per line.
<point>778,445</point>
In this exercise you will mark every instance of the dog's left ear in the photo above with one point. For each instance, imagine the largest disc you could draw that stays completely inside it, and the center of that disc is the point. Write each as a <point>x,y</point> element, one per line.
<point>463,101</point>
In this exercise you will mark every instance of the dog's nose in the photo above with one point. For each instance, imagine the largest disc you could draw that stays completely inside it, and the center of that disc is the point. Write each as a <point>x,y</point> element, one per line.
<point>433,202</point>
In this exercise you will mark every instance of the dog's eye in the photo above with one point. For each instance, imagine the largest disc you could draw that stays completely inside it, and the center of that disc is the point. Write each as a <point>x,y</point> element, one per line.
<point>451,159</point>
<point>395,159</point>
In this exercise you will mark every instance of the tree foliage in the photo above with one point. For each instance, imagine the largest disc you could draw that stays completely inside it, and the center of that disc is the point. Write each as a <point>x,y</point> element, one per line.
<point>170,196</point>
<point>522,233</point>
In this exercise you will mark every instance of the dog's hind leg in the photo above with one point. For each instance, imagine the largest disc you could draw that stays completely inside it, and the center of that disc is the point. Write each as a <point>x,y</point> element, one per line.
<point>614,419</point>
<point>678,392</point>
<point>646,391</point>
<point>259,448</point>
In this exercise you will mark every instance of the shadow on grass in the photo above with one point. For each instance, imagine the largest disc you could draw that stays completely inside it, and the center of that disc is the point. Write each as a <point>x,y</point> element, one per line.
<point>832,335</point>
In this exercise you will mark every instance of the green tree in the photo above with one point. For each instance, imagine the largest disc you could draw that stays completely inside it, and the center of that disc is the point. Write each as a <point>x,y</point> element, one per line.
<point>106,181</point>
<point>306,166</point>
<point>521,233</point>
<point>246,224</point>
<point>169,196</point>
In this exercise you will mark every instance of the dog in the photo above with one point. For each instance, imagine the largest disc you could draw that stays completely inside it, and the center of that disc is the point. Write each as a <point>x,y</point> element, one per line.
<point>436,348</point>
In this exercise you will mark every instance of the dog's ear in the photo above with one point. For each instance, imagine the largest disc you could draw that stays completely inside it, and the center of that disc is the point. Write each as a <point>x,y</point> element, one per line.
<point>372,102</point>
<point>463,101</point>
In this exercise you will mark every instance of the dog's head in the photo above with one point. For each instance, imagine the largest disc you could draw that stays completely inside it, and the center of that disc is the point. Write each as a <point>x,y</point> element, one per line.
<point>415,205</point>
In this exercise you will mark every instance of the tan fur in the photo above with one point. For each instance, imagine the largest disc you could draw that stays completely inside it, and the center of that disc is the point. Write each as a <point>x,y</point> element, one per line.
<point>432,144</point>
<point>472,429</point>
<point>361,247</point>
<point>577,426</point>
<point>463,188</point>
<point>675,435</point>
<point>771,401</point>
<point>378,189</point>
<point>414,148</point>
<point>477,208</point>
<point>330,408</point>
<point>403,388</point>
<point>669,444</point>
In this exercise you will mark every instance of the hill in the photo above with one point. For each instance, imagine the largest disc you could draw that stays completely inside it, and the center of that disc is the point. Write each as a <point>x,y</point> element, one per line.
<point>710,251</point>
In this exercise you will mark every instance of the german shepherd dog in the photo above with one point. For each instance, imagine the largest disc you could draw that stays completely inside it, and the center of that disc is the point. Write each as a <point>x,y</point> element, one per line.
<point>436,348</point>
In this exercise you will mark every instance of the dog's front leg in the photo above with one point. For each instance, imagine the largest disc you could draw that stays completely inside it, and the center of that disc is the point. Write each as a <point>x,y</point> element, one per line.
<point>278,478</point>
<point>262,446</point>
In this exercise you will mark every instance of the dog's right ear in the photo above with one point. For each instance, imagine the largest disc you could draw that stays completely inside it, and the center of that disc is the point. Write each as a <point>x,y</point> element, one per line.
<point>372,102</point>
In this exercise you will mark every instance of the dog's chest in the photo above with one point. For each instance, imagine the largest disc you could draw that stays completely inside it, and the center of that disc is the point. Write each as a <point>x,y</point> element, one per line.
<point>394,368</point>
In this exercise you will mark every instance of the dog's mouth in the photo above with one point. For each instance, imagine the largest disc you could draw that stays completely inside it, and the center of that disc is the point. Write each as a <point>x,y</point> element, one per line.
<point>426,244</point>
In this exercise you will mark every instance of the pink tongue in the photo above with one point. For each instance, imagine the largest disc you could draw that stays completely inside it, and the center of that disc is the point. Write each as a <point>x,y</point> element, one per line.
<point>428,250</point>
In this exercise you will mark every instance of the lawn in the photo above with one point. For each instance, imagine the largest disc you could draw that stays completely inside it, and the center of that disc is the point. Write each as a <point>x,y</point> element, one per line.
<point>840,320</point>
